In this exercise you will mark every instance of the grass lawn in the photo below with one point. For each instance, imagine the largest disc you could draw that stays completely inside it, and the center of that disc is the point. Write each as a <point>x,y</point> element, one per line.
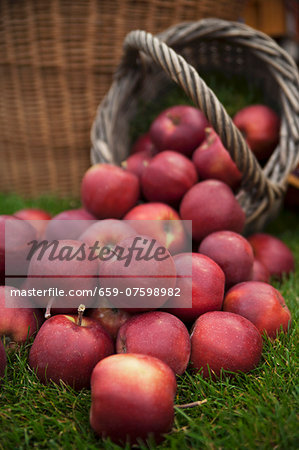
<point>257,410</point>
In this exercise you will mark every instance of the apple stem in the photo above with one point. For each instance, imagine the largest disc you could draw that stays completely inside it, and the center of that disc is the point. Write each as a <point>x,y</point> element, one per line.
<point>81,310</point>
<point>191,405</point>
<point>48,309</point>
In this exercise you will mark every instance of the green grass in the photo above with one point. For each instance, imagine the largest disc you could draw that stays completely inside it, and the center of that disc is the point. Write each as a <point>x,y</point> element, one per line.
<point>256,410</point>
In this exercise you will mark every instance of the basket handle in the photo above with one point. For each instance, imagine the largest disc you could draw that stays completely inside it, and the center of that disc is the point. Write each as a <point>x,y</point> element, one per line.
<point>185,75</point>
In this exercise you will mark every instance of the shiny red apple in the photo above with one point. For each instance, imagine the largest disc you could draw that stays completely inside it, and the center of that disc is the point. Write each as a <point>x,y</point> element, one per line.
<point>137,163</point>
<point>224,341</point>
<point>132,397</point>
<point>142,272</point>
<point>161,222</point>
<point>260,303</point>
<point>66,349</point>
<point>19,319</point>
<point>144,144</point>
<point>38,218</point>
<point>212,206</point>
<point>212,160</point>
<point>108,191</point>
<point>158,334</point>
<point>200,287</point>
<point>109,317</point>
<point>167,177</point>
<point>260,126</point>
<point>273,253</point>
<point>179,128</point>
<point>232,252</point>
<point>69,224</point>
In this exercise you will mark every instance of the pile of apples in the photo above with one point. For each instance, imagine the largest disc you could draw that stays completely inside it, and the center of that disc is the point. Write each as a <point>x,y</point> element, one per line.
<point>178,171</point>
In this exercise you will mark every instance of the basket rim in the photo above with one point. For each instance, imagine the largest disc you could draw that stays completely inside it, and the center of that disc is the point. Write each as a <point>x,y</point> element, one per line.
<point>271,183</point>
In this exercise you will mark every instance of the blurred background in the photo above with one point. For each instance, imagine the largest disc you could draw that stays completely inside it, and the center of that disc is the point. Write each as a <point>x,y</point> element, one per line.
<point>277,18</point>
<point>57,59</point>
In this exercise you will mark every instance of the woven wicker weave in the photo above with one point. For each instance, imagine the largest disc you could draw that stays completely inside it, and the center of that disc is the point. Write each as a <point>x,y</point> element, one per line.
<point>57,58</point>
<point>149,62</point>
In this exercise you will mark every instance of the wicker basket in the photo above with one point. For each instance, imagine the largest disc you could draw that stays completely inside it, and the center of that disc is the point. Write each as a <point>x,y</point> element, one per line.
<point>57,58</point>
<point>150,62</point>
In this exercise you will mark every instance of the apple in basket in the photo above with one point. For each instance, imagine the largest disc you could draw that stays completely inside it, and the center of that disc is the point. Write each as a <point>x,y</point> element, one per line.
<point>137,163</point>
<point>260,126</point>
<point>212,160</point>
<point>179,128</point>
<point>144,144</point>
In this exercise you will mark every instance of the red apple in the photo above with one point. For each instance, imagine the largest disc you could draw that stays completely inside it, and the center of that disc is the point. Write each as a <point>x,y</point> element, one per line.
<point>223,340</point>
<point>2,360</point>
<point>138,266</point>
<point>161,222</point>
<point>67,350</point>
<point>132,397</point>
<point>109,317</point>
<point>38,218</point>
<point>260,303</point>
<point>108,192</point>
<point>15,234</point>
<point>158,334</point>
<point>260,272</point>
<point>19,320</point>
<point>137,163</point>
<point>212,160</point>
<point>273,253</point>
<point>69,224</point>
<point>144,144</point>
<point>260,126</point>
<point>179,128</point>
<point>64,271</point>
<point>107,233</point>
<point>232,252</point>
<point>167,177</point>
<point>200,283</point>
<point>212,206</point>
